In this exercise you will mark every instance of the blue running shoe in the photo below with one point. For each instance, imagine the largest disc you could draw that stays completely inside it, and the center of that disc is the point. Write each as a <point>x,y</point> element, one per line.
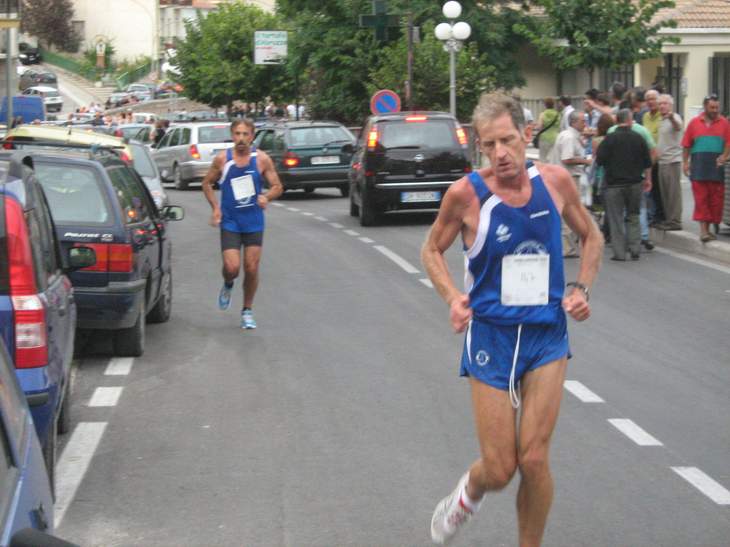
<point>247,320</point>
<point>224,297</point>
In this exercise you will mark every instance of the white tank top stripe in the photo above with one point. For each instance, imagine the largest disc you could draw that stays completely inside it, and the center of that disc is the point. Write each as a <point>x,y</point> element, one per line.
<point>485,217</point>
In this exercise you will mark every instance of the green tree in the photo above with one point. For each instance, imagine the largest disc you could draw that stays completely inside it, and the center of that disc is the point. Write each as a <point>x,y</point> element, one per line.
<point>50,22</point>
<point>216,57</point>
<point>605,34</point>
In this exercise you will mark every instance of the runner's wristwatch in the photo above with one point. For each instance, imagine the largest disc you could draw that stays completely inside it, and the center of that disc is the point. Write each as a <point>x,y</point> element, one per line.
<point>580,286</point>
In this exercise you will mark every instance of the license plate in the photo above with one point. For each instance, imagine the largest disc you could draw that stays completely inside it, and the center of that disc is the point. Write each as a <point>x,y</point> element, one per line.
<point>325,160</point>
<point>417,197</point>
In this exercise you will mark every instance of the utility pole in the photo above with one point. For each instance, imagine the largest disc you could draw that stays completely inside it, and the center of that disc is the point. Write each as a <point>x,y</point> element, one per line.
<point>409,69</point>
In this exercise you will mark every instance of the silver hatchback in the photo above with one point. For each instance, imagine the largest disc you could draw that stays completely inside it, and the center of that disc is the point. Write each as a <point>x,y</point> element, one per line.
<point>186,152</point>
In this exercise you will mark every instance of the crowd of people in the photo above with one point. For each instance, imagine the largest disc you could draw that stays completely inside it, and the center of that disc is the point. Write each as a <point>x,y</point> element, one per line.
<point>627,149</point>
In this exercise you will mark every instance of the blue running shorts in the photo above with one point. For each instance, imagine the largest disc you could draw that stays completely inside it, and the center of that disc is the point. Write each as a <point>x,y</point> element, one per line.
<point>489,350</point>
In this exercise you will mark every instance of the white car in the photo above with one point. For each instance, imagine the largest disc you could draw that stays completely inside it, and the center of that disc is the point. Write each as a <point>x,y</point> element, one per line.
<point>51,97</point>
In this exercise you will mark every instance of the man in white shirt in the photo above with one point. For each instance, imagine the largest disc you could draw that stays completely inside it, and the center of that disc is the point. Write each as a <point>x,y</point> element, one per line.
<point>669,158</point>
<point>566,108</point>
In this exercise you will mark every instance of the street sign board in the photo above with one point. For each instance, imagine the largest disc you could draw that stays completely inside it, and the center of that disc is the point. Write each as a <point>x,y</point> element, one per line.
<point>269,47</point>
<point>384,101</point>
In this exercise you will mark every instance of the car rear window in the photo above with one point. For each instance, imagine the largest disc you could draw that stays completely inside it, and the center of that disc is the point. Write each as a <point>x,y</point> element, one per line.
<point>74,193</point>
<point>142,161</point>
<point>52,93</point>
<point>214,133</point>
<point>317,136</point>
<point>418,134</point>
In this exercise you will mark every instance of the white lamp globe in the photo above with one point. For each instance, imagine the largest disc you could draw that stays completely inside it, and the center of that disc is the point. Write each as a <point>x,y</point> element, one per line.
<point>451,9</point>
<point>461,30</point>
<point>443,31</point>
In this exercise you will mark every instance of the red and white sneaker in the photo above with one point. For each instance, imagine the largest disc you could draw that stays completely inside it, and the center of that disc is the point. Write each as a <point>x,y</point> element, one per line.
<point>451,514</point>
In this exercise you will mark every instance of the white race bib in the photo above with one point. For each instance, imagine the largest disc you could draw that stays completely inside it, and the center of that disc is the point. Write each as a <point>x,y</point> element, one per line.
<point>525,280</point>
<point>243,187</point>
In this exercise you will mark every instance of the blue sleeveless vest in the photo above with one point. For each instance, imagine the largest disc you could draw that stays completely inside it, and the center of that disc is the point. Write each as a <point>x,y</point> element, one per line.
<point>505,230</point>
<point>240,187</point>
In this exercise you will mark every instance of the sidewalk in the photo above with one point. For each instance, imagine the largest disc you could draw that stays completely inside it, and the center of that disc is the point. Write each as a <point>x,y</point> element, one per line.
<point>97,94</point>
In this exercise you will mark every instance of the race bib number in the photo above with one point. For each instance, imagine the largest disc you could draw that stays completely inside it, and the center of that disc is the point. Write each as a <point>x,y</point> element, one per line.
<point>243,187</point>
<point>525,280</point>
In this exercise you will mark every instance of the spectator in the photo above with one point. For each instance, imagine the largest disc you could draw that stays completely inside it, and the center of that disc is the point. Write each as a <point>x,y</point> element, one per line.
<point>651,120</point>
<point>618,90</point>
<point>669,159</point>
<point>638,104</point>
<point>706,146</point>
<point>625,157</point>
<point>526,112</point>
<point>569,151</point>
<point>547,128</point>
<point>566,107</point>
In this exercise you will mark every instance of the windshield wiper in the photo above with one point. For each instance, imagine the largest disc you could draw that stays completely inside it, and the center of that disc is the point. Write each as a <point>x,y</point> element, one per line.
<point>333,142</point>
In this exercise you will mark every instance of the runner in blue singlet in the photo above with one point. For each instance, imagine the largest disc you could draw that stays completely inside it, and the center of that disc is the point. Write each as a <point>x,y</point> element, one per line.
<point>240,215</point>
<point>513,311</point>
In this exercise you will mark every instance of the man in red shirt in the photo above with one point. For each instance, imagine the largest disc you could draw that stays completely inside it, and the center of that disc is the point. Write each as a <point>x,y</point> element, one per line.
<point>706,147</point>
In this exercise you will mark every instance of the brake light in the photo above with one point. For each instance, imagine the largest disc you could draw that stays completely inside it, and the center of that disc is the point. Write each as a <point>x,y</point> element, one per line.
<point>125,158</point>
<point>194,152</point>
<point>29,313</point>
<point>111,257</point>
<point>8,145</point>
<point>118,133</point>
<point>416,118</point>
<point>467,169</point>
<point>291,159</point>
<point>372,139</point>
<point>461,136</point>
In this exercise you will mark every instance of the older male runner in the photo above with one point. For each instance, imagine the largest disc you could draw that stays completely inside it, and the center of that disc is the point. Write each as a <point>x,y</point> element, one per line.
<point>513,311</point>
<point>240,215</point>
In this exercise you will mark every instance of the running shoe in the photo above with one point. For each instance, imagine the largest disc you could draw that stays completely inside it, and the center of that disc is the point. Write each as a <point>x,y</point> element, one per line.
<point>224,297</point>
<point>247,320</point>
<point>450,514</point>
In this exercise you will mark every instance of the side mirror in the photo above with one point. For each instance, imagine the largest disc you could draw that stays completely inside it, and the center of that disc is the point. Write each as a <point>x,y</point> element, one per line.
<point>81,257</point>
<point>348,148</point>
<point>173,212</point>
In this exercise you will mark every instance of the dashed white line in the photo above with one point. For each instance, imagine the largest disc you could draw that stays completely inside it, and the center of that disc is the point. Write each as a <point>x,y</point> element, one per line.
<point>402,262</point>
<point>73,464</point>
<point>307,213</point>
<point>366,240</point>
<point>352,233</point>
<point>336,225</point>
<point>292,209</point>
<point>582,392</point>
<point>119,366</point>
<point>705,484</point>
<point>321,219</point>
<point>427,282</point>
<point>276,204</point>
<point>105,396</point>
<point>634,432</point>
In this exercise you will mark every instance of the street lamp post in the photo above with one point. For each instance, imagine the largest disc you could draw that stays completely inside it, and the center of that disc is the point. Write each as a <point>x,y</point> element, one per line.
<point>452,34</point>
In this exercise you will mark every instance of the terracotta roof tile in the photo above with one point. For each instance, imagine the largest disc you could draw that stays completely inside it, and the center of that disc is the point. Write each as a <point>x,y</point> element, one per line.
<point>698,14</point>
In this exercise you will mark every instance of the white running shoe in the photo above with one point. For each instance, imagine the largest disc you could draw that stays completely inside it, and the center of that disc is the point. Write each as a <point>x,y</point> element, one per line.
<point>450,514</point>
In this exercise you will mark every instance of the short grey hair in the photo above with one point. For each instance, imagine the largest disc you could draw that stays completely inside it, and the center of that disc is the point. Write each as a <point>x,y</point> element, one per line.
<point>667,97</point>
<point>493,105</point>
<point>653,92</point>
<point>624,115</point>
<point>575,116</point>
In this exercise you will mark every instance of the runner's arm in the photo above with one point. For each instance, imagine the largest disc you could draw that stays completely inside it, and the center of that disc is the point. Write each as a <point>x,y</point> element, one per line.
<point>213,175</point>
<point>268,171</point>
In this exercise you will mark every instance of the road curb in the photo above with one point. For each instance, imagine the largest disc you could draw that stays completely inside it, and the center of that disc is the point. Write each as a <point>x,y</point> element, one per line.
<point>689,242</point>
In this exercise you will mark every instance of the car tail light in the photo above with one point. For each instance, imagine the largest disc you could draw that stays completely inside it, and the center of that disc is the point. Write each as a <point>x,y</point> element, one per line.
<point>418,118</point>
<point>467,169</point>
<point>291,159</point>
<point>461,136</point>
<point>29,313</point>
<point>118,133</point>
<point>194,152</point>
<point>369,173</point>
<point>125,158</point>
<point>372,139</point>
<point>8,145</point>
<point>110,257</point>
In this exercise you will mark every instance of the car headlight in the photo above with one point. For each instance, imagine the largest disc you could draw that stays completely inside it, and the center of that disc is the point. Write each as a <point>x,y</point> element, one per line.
<point>23,56</point>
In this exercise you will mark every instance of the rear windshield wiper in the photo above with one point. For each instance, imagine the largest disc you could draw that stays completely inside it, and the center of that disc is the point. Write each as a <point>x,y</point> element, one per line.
<point>333,142</point>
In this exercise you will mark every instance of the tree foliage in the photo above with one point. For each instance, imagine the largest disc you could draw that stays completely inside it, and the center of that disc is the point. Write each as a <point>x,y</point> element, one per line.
<point>609,33</point>
<point>50,22</point>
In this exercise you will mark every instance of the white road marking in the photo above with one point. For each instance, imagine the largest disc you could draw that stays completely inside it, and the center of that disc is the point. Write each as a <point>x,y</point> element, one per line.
<point>705,484</point>
<point>119,366</point>
<point>307,213</point>
<point>427,282</point>
<point>276,204</point>
<point>582,392</point>
<point>293,209</point>
<point>352,233</point>
<point>106,396</point>
<point>321,219</point>
<point>635,433</point>
<point>73,464</point>
<point>688,258</point>
<point>366,240</point>
<point>336,225</point>
<point>402,262</point>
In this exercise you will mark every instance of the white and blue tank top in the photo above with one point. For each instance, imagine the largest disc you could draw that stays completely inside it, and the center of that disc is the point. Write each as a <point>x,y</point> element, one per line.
<point>522,240</point>
<point>240,188</point>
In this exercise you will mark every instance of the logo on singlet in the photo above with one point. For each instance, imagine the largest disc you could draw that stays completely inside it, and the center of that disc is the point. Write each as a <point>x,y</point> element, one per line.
<point>503,233</point>
<point>482,358</point>
<point>531,247</point>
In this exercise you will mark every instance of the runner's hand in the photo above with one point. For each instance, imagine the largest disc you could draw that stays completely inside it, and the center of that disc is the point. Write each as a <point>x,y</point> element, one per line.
<point>460,313</point>
<point>215,219</point>
<point>576,305</point>
<point>262,201</point>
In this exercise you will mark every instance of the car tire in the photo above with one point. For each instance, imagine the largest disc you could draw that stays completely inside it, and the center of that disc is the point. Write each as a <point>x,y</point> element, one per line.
<point>354,209</point>
<point>180,184</point>
<point>368,214</point>
<point>162,310</point>
<point>130,342</point>
<point>309,189</point>
<point>64,417</point>
<point>49,457</point>
<point>345,190</point>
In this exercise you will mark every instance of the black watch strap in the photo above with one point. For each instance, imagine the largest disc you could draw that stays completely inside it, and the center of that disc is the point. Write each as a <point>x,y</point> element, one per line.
<point>580,286</point>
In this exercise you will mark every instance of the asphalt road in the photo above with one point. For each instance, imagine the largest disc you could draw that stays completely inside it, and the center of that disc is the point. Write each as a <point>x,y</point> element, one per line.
<point>342,420</point>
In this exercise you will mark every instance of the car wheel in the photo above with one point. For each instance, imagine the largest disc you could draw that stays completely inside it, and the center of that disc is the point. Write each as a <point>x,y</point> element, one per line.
<point>49,457</point>
<point>368,214</point>
<point>130,342</point>
<point>309,189</point>
<point>345,190</point>
<point>354,209</point>
<point>64,417</point>
<point>162,310</point>
<point>180,184</point>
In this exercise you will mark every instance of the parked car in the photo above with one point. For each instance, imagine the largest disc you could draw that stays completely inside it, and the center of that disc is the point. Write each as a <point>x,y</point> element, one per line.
<point>146,168</point>
<point>37,308</point>
<point>99,201</point>
<point>50,95</point>
<point>405,161</point>
<point>27,515</point>
<point>29,55</point>
<point>308,154</point>
<point>118,98</point>
<point>135,131</point>
<point>30,78</point>
<point>186,152</point>
<point>142,92</point>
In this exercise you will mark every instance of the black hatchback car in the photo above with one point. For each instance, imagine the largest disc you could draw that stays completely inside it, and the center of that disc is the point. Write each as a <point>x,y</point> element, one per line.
<point>308,154</point>
<point>405,161</point>
<point>97,200</point>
